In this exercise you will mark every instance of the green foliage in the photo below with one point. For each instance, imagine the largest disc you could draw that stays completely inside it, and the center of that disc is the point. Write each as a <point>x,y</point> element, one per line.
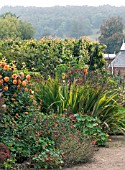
<point>97,60</point>
<point>87,98</point>
<point>47,55</point>
<point>112,34</point>
<point>12,27</point>
<point>92,128</point>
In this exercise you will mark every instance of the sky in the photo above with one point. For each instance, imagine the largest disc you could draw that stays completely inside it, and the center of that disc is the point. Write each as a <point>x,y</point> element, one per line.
<point>49,3</point>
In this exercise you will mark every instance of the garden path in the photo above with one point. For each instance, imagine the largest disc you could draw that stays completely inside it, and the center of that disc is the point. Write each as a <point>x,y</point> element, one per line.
<point>111,157</point>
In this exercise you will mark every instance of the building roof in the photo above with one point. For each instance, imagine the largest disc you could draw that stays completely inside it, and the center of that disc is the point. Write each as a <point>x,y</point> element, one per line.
<point>123,46</point>
<point>109,56</point>
<point>119,60</point>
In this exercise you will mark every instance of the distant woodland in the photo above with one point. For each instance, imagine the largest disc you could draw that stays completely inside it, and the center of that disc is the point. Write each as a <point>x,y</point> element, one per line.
<point>68,21</point>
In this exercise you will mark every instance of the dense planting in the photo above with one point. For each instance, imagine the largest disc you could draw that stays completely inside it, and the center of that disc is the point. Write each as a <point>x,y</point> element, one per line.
<point>54,117</point>
<point>45,56</point>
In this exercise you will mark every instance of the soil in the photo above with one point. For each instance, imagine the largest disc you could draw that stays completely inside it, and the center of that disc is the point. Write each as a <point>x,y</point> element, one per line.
<point>111,157</point>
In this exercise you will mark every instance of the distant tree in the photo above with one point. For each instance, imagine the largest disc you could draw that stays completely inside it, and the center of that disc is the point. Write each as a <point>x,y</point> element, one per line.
<point>111,34</point>
<point>26,29</point>
<point>12,27</point>
<point>96,56</point>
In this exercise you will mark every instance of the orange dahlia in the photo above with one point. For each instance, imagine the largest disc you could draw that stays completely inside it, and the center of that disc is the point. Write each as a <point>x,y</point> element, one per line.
<point>6,79</point>
<point>14,76</point>
<point>28,77</point>
<point>6,67</point>
<point>5,88</point>
<point>23,83</point>
<point>14,81</point>
<point>2,64</point>
<point>22,74</point>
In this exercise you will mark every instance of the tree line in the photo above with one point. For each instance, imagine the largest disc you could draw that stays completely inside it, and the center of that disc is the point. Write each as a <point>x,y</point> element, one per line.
<point>68,21</point>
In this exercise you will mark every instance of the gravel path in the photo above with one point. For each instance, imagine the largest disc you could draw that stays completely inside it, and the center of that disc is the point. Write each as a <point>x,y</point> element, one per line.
<point>108,158</point>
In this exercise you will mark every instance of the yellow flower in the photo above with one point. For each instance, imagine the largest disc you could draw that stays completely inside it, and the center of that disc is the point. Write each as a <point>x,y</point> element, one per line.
<point>14,81</point>
<point>63,76</point>
<point>6,79</point>
<point>14,76</point>
<point>12,68</point>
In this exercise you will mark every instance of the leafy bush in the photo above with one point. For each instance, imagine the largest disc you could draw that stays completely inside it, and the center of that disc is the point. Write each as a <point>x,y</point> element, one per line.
<point>76,151</point>
<point>86,98</point>
<point>91,127</point>
<point>46,55</point>
<point>4,153</point>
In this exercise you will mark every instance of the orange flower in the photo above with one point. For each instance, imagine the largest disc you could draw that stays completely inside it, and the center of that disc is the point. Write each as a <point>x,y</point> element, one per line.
<point>37,90</point>
<point>28,77</point>
<point>6,67</point>
<point>2,64</point>
<point>31,96</point>
<point>24,83</point>
<point>14,81</point>
<point>34,102</point>
<point>6,88</point>
<point>26,113</point>
<point>18,86</point>
<point>26,89</point>
<point>12,99</point>
<point>18,81</point>
<point>15,103</point>
<point>17,115</point>
<point>31,92</point>
<point>0,76</point>
<point>6,79</point>
<point>1,81</point>
<point>30,84</point>
<point>22,74</point>
<point>14,76</point>
<point>85,71</point>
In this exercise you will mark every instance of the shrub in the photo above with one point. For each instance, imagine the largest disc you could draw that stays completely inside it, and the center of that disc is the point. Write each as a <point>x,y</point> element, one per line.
<point>76,151</point>
<point>4,153</point>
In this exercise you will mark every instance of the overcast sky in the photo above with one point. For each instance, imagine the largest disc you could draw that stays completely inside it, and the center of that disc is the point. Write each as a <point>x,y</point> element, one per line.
<point>48,3</point>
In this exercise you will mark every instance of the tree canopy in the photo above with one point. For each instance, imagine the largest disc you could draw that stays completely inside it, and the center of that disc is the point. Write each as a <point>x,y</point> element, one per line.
<point>66,21</point>
<point>112,34</point>
<point>12,27</point>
